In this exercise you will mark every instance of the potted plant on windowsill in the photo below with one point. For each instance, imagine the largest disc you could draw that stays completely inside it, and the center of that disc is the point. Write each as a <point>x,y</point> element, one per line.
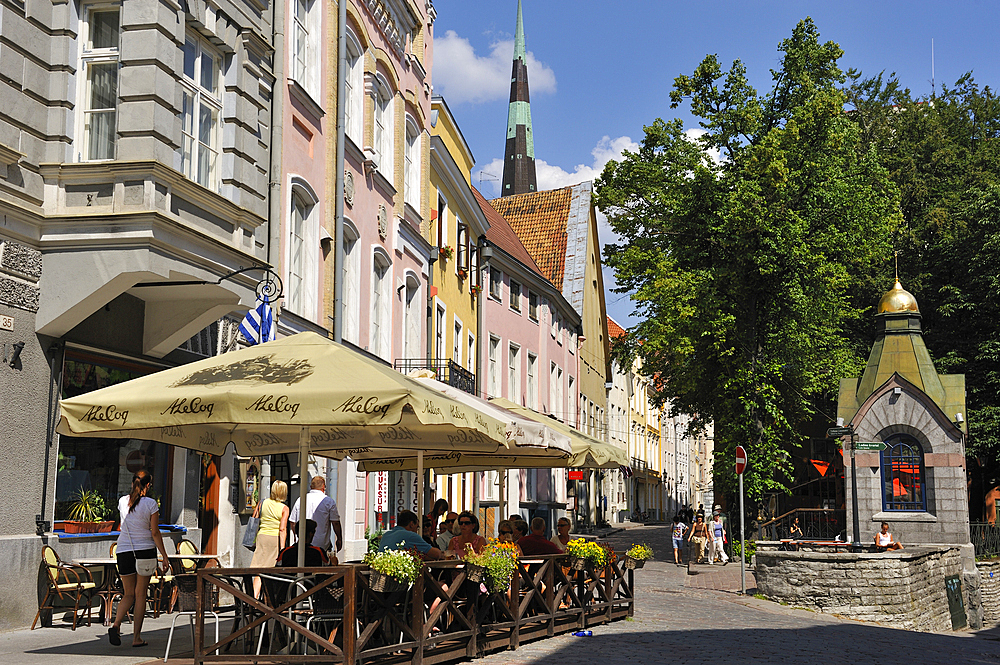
<point>475,289</point>
<point>392,570</point>
<point>87,511</point>
<point>446,252</point>
<point>635,556</point>
<point>462,273</point>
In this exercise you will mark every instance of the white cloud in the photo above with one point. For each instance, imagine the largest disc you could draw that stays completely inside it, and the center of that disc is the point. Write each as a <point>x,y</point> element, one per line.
<point>462,76</point>
<point>693,135</point>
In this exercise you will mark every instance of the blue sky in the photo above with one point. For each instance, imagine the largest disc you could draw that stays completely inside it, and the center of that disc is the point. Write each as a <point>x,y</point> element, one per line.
<point>599,71</point>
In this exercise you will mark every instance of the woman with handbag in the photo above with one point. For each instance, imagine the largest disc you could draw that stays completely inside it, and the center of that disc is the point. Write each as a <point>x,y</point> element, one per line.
<point>272,531</point>
<point>138,540</point>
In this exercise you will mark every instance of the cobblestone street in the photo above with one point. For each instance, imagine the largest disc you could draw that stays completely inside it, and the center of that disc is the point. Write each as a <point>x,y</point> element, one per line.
<point>676,623</point>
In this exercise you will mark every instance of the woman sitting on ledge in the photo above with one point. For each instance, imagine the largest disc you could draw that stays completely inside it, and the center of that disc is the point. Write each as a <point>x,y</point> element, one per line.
<point>884,540</point>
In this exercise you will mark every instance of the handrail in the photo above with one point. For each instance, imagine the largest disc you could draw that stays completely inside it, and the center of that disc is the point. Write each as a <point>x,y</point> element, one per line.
<point>442,616</point>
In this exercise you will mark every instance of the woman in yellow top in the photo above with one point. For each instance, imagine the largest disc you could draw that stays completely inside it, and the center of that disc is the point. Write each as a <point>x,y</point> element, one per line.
<point>273,531</point>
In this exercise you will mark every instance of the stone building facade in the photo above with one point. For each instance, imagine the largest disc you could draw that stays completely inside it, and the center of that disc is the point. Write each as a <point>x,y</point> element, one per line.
<point>134,152</point>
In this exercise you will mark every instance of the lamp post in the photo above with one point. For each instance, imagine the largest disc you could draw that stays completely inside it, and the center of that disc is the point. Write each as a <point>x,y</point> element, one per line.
<point>841,431</point>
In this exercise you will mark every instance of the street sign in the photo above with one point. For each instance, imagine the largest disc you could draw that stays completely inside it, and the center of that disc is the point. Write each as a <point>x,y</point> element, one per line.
<point>839,431</point>
<point>869,445</point>
<point>575,475</point>
<point>741,459</point>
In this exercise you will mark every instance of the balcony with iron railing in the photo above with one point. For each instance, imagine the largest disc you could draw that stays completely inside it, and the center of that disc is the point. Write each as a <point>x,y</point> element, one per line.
<point>446,371</point>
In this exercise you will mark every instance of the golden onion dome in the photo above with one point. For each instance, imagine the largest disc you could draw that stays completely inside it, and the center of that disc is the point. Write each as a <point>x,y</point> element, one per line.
<point>897,301</point>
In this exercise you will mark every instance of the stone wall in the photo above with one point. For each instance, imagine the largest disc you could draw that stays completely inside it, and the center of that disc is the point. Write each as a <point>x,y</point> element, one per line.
<point>903,589</point>
<point>989,588</point>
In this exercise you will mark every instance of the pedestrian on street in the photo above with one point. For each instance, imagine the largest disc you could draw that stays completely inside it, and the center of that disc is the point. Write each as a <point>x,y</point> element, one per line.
<point>678,537</point>
<point>699,534</point>
<point>273,531</point>
<point>138,539</point>
<point>323,510</point>
<point>717,534</point>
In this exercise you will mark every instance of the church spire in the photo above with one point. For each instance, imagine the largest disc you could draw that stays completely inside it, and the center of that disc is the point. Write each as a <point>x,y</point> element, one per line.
<point>519,156</point>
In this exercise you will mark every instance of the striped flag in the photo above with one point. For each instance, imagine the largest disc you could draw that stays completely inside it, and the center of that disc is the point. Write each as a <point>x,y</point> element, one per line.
<point>258,325</point>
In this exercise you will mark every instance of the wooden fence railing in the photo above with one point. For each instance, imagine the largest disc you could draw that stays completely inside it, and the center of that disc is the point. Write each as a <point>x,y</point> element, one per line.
<point>333,615</point>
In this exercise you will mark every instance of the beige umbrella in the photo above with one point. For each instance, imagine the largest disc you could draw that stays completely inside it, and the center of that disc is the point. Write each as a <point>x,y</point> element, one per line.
<point>301,393</point>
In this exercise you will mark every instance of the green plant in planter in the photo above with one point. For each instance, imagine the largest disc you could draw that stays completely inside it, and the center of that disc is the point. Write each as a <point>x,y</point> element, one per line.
<point>373,538</point>
<point>588,550</point>
<point>88,506</point>
<point>500,561</point>
<point>399,564</point>
<point>640,552</point>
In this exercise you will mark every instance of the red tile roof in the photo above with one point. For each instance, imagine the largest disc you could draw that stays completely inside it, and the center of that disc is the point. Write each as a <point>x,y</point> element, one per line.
<point>501,235</point>
<point>614,330</point>
<point>539,219</point>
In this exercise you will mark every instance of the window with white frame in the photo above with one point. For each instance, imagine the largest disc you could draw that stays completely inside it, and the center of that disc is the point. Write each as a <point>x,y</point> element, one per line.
<point>99,68</point>
<point>515,296</point>
<point>461,246</point>
<point>513,373</point>
<point>411,165</point>
<point>412,318</point>
<point>470,359</point>
<point>351,274</point>
<point>571,416</point>
<point>305,45</point>
<point>456,351</point>
<point>552,388</point>
<point>302,253</point>
<point>442,221</point>
<point>383,135</point>
<point>201,108</point>
<point>494,350</point>
<point>532,306</point>
<point>531,386</point>
<point>496,283</point>
<point>354,90</point>
<point>439,333</point>
<point>379,343</point>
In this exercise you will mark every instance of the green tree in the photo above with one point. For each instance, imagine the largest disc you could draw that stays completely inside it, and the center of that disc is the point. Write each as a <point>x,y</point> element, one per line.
<point>943,152</point>
<point>746,272</point>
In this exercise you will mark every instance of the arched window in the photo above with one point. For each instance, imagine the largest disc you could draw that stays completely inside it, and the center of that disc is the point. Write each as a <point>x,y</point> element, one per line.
<point>351,275</point>
<point>384,134</point>
<point>354,90</point>
<point>303,251</point>
<point>411,165</point>
<point>380,319</point>
<point>903,482</point>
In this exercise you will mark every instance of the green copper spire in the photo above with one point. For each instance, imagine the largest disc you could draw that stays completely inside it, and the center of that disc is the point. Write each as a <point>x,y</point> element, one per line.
<point>519,36</point>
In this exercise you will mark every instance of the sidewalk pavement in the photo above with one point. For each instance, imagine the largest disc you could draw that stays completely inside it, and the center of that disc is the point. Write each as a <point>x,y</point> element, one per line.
<point>88,645</point>
<point>719,578</point>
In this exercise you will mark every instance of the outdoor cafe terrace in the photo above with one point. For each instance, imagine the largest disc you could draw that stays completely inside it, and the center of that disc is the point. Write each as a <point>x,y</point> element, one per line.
<point>345,614</point>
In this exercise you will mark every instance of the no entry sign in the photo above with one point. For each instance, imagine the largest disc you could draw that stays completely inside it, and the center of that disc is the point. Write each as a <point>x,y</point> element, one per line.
<point>741,459</point>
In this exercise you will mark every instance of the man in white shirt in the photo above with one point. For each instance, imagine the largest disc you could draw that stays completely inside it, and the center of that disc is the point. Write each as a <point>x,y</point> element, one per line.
<point>323,510</point>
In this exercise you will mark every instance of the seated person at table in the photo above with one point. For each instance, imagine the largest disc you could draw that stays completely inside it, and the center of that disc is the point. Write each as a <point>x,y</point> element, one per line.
<point>520,529</point>
<point>427,532</point>
<point>468,535</point>
<point>536,543</point>
<point>315,557</point>
<point>448,530</point>
<point>884,540</point>
<point>404,535</point>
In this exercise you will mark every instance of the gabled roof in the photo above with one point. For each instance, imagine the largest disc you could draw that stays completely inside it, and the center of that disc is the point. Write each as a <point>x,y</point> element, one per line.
<point>554,226</point>
<point>502,235</point>
<point>614,330</point>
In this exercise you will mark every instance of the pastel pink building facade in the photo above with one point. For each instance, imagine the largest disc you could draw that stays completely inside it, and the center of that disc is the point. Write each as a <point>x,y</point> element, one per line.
<point>531,357</point>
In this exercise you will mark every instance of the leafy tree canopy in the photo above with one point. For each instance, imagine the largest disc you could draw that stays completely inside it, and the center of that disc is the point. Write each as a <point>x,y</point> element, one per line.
<point>748,272</point>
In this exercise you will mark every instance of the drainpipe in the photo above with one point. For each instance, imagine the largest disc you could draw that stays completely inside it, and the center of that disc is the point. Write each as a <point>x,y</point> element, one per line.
<point>338,233</point>
<point>277,130</point>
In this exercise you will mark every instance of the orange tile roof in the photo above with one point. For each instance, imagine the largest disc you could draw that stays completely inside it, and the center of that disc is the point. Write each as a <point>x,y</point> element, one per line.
<point>539,219</point>
<point>501,235</point>
<point>614,330</point>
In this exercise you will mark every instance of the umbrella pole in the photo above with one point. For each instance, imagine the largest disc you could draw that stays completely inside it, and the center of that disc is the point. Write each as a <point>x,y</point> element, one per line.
<point>420,488</point>
<point>303,483</point>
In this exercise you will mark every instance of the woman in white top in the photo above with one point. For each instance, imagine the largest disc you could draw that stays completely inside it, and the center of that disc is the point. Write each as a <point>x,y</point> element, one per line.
<point>561,536</point>
<point>884,540</point>
<point>138,540</point>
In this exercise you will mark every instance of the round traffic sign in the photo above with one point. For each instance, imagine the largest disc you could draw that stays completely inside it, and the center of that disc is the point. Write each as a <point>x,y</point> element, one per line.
<point>741,459</point>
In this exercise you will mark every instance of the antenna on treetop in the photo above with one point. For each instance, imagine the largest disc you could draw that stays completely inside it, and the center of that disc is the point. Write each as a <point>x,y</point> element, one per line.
<point>933,91</point>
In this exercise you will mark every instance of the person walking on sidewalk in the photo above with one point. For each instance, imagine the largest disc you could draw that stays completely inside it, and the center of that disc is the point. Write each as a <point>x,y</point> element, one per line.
<point>677,535</point>
<point>717,533</point>
<point>699,534</point>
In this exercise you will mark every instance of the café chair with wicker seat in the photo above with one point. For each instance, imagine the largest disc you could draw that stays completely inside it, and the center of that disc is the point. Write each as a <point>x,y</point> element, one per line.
<point>67,583</point>
<point>186,587</point>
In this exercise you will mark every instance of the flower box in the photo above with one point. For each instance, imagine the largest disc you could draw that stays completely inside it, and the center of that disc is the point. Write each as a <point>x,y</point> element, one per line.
<point>386,583</point>
<point>577,563</point>
<point>73,526</point>
<point>632,564</point>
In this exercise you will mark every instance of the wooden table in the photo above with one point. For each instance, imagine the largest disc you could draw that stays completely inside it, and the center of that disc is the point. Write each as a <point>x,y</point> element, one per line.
<point>106,590</point>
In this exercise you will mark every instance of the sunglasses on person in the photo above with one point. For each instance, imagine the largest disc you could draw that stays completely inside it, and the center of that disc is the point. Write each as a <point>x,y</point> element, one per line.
<point>563,523</point>
<point>449,521</point>
<point>464,522</point>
